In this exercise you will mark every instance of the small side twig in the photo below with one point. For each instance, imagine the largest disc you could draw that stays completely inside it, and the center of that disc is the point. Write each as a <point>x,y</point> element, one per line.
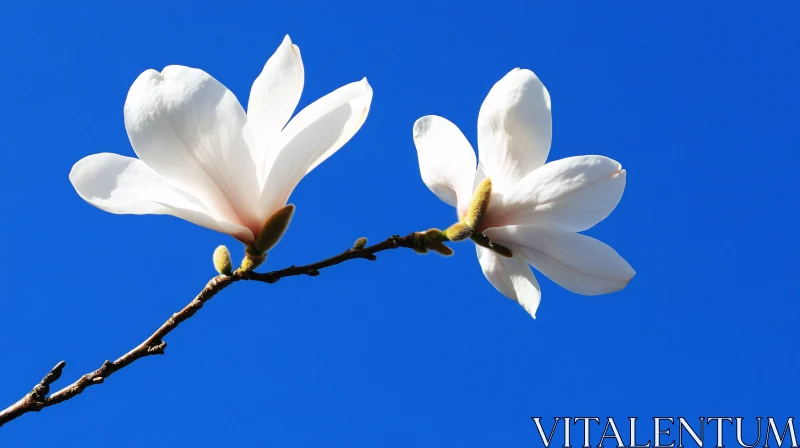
<point>39,397</point>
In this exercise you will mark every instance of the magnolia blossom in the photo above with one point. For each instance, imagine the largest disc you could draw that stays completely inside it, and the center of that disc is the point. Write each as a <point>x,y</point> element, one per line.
<point>535,209</point>
<point>204,159</point>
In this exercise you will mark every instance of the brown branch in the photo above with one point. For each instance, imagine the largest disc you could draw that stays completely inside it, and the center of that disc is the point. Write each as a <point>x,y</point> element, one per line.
<point>38,398</point>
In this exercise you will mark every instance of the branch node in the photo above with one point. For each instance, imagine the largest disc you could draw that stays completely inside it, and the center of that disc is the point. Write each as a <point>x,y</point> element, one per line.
<point>106,365</point>
<point>370,257</point>
<point>157,349</point>
<point>98,380</point>
<point>313,272</point>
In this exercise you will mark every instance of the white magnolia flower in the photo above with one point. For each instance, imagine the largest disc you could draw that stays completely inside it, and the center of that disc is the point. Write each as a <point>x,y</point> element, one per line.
<point>203,159</point>
<point>535,209</point>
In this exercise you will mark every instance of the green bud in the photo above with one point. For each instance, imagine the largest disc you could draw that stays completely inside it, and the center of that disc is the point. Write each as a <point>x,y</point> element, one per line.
<point>479,205</point>
<point>439,247</point>
<point>432,239</point>
<point>252,258</point>
<point>458,232</point>
<point>222,261</point>
<point>418,243</point>
<point>360,243</point>
<point>273,229</point>
<point>434,234</point>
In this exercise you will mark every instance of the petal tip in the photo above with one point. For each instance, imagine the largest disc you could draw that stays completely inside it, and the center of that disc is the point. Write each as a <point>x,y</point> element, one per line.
<point>531,310</point>
<point>421,126</point>
<point>287,43</point>
<point>627,280</point>
<point>522,73</point>
<point>366,85</point>
<point>149,77</point>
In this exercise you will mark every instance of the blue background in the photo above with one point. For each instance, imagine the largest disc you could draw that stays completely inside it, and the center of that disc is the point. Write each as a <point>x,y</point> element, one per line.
<point>697,100</point>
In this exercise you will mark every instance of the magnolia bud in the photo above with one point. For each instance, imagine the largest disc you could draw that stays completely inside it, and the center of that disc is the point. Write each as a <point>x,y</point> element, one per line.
<point>252,258</point>
<point>479,205</point>
<point>418,243</point>
<point>458,232</point>
<point>360,243</point>
<point>273,228</point>
<point>439,247</point>
<point>434,234</point>
<point>222,260</point>
<point>432,239</point>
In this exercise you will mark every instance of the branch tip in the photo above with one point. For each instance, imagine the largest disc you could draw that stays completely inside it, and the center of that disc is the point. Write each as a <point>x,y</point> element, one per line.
<point>55,373</point>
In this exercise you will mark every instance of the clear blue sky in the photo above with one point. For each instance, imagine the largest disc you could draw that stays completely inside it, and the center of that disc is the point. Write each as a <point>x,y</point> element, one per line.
<point>698,101</point>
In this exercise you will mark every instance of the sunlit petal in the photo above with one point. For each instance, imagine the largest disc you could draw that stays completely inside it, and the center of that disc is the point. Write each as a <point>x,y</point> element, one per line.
<point>577,262</point>
<point>124,185</point>
<point>514,128</point>
<point>512,277</point>
<point>446,159</point>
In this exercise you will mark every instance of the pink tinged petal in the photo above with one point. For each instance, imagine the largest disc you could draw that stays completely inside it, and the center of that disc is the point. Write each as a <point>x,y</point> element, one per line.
<point>512,277</point>
<point>514,128</point>
<point>573,193</point>
<point>446,159</point>
<point>188,128</point>
<point>577,262</point>
<point>274,96</point>
<point>124,185</point>
<point>312,136</point>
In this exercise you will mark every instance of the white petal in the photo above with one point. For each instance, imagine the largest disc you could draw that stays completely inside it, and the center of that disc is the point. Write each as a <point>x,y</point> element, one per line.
<point>274,96</point>
<point>512,277</point>
<point>312,136</point>
<point>514,128</point>
<point>577,262</point>
<point>188,127</point>
<point>124,185</point>
<point>446,159</point>
<point>573,193</point>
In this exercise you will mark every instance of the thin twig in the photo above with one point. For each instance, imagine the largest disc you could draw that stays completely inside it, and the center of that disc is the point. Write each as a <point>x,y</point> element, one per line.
<point>38,398</point>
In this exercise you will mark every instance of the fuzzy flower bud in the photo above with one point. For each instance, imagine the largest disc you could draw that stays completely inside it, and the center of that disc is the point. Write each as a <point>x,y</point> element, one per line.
<point>432,239</point>
<point>418,243</point>
<point>438,246</point>
<point>479,205</point>
<point>222,260</point>
<point>252,258</point>
<point>458,232</point>
<point>274,228</point>
<point>360,243</point>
